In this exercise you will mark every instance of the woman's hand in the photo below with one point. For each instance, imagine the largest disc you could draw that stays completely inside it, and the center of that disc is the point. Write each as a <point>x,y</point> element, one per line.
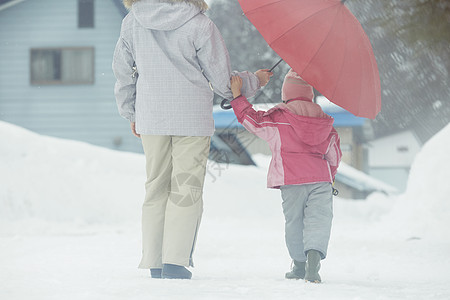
<point>133,129</point>
<point>263,76</point>
<point>236,86</point>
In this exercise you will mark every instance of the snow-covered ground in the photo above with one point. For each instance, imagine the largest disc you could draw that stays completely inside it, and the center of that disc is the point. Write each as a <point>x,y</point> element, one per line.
<point>69,229</point>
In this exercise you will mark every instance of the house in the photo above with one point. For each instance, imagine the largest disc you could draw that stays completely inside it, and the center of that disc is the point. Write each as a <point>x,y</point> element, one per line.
<point>55,69</point>
<point>391,157</point>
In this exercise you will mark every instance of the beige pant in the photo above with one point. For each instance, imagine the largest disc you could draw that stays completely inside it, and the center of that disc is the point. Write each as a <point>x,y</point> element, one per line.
<point>173,205</point>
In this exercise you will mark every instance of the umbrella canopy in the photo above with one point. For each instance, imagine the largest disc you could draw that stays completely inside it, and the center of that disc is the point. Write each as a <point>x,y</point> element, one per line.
<point>325,44</point>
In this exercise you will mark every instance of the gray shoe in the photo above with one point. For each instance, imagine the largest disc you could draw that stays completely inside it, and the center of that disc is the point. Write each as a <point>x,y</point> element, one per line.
<point>156,273</point>
<point>297,272</point>
<point>313,266</point>
<point>170,271</point>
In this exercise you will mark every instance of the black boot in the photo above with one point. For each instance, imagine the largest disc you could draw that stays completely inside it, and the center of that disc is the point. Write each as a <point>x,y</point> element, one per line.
<point>313,266</point>
<point>175,272</point>
<point>156,273</point>
<point>297,272</point>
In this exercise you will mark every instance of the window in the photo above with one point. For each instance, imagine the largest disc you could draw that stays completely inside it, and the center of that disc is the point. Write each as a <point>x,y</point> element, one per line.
<point>402,149</point>
<point>62,66</point>
<point>85,13</point>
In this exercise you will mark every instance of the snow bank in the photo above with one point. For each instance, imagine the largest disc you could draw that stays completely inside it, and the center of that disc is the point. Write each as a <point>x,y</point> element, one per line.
<point>60,180</point>
<point>428,185</point>
<point>423,211</point>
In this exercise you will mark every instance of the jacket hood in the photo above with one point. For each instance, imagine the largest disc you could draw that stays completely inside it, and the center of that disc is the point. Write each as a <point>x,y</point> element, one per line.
<point>312,130</point>
<point>165,14</point>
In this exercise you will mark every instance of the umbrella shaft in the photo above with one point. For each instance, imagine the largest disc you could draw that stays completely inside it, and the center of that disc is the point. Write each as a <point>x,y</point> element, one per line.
<point>276,65</point>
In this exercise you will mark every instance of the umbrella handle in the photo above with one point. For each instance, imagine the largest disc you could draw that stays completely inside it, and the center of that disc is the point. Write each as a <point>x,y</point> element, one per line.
<point>226,106</point>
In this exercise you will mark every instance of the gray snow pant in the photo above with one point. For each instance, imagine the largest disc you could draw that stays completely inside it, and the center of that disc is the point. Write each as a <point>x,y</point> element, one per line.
<point>308,211</point>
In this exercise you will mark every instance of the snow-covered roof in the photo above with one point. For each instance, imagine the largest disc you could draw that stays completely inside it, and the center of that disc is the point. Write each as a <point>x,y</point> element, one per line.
<point>329,106</point>
<point>361,181</point>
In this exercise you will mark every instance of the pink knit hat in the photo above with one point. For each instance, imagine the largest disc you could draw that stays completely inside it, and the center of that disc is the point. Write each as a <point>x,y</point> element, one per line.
<point>295,87</point>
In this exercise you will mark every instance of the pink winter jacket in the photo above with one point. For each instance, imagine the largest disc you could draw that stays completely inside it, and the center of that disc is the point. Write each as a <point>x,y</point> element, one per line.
<point>305,146</point>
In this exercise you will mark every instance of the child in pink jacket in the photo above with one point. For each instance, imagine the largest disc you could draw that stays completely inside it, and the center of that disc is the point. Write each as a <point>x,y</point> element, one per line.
<point>305,157</point>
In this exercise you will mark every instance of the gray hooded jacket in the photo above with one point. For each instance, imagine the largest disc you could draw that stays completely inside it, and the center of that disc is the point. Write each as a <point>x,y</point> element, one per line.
<point>169,59</point>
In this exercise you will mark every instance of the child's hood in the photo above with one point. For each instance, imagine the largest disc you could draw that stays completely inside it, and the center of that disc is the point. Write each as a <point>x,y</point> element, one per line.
<point>166,15</point>
<point>312,130</point>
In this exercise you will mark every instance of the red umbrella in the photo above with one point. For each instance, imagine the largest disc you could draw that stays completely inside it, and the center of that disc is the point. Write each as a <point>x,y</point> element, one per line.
<point>325,44</point>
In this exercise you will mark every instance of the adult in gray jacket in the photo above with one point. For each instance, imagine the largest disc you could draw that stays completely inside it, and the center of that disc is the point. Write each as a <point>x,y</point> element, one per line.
<point>168,62</point>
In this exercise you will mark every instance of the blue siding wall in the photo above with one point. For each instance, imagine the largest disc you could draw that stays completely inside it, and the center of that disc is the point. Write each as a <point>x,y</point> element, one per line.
<point>81,112</point>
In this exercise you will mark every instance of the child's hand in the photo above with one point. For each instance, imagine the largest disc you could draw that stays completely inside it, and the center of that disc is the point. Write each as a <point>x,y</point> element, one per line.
<point>236,86</point>
<point>263,76</point>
